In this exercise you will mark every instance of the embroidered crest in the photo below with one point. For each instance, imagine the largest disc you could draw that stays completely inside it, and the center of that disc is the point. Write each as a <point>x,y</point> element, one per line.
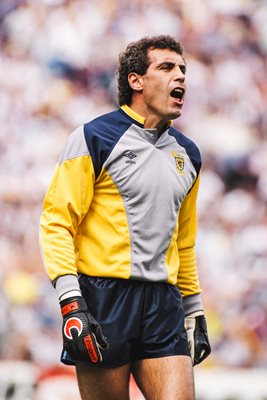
<point>179,162</point>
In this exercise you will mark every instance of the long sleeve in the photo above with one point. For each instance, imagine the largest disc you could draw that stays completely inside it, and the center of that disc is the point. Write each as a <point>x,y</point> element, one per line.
<point>65,204</point>
<point>188,282</point>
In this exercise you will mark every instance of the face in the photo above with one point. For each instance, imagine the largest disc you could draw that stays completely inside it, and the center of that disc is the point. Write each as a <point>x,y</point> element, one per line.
<point>163,85</point>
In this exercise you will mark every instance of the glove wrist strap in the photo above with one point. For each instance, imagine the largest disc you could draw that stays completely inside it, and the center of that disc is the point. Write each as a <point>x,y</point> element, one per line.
<point>73,304</point>
<point>195,314</point>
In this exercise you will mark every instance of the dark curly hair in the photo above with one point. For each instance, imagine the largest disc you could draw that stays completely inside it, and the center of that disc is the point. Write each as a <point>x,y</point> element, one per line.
<point>135,59</point>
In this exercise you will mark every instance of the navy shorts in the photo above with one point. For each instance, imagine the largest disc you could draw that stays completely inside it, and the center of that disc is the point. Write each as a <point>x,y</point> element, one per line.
<point>140,319</point>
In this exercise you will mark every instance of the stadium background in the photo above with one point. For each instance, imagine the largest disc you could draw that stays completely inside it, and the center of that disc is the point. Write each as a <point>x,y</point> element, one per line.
<point>57,71</point>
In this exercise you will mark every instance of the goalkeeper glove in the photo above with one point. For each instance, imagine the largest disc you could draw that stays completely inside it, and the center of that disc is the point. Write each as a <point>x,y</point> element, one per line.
<point>196,327</point>
<point>82,335</point>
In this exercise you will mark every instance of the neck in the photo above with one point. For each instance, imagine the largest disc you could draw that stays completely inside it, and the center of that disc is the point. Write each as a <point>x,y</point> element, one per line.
<point>152,121</point>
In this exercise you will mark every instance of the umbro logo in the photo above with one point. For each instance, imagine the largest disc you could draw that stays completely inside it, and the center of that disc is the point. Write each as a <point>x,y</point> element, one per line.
<point>130,155</point>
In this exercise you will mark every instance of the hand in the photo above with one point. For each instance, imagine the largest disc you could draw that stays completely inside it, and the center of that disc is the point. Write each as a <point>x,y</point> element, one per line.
<point>82,334</point>
<point>196,327</point>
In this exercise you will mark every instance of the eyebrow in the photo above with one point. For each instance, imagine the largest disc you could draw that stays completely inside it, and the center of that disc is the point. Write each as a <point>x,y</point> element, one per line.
<point>171,64</point>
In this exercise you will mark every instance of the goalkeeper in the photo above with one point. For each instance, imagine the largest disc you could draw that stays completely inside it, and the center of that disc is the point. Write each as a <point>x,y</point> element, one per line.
<point>118,233</point>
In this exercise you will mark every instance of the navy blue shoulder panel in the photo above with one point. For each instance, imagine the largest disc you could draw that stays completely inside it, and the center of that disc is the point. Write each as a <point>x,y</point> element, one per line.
<point>189,146</point>
<point>102,134</point>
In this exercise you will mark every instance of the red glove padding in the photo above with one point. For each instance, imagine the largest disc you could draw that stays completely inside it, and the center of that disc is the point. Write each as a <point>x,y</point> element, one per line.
<point>82,334</point>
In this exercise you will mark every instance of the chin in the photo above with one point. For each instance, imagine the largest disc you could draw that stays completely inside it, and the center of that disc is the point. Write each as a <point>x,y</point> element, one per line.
<point>175,114</point>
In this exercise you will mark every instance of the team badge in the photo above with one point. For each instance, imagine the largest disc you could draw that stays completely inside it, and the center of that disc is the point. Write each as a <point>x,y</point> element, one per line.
<point>179,162</point>
<point>73,323</point>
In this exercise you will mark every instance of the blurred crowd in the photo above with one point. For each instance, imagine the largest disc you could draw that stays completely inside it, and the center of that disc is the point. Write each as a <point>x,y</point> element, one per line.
<point>57,71</point>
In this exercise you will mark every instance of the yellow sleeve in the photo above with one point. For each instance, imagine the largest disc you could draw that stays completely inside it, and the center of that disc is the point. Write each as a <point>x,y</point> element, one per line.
<point>65,204</point>
<point>187,281</point>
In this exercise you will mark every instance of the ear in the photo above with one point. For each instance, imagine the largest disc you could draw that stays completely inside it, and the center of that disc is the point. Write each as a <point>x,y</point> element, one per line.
<point>135,81</point>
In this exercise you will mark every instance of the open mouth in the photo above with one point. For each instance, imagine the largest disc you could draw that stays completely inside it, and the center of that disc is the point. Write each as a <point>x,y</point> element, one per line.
<point>178,93</point>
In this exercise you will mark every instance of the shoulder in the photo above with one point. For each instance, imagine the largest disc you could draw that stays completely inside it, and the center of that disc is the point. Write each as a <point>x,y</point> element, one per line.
<point>102,134</point>
<point>75,146</point>
<point>190,147</point>
<point>108,125</point>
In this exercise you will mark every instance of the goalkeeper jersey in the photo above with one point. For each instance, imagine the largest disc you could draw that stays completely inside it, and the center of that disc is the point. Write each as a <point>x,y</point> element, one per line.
<point>122,204</point>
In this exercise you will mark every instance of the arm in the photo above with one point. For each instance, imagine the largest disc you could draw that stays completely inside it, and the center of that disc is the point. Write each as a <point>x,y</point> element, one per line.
<point>188,282</point>
<point>66,203</point>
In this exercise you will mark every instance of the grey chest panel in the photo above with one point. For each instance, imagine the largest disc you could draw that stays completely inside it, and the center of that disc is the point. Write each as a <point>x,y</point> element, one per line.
<point>153,177</point>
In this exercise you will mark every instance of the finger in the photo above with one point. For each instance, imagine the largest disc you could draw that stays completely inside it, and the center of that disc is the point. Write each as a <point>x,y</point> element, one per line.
<point>202,351</point>
<point>191,342</point>
<point>101,339</point>
<point>92,348</point>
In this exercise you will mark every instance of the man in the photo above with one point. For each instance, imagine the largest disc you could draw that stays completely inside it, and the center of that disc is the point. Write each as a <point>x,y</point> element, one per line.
<point>118,234</point>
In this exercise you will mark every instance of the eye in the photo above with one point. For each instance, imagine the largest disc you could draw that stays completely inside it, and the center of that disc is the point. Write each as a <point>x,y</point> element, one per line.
<point>167,66</point>
<point>183,69</point>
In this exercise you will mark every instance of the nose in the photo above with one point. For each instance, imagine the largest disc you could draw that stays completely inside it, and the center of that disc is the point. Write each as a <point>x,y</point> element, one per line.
<point>179,75</point>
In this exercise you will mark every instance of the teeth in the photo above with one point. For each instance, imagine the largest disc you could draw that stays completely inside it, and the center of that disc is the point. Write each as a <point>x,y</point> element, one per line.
<point>177,93</point>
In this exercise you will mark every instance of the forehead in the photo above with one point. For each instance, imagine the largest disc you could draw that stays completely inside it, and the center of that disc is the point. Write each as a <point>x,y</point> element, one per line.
<point>157,56</point>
